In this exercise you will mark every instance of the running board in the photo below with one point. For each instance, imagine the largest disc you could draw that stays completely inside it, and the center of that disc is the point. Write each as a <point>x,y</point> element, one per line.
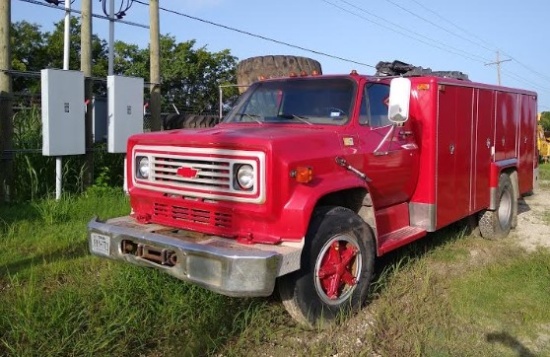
<point>398,238</point>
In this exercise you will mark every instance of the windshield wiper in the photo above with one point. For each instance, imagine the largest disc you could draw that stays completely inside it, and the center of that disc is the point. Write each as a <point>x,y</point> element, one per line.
<point>294,116</point>
<point>252,117</point>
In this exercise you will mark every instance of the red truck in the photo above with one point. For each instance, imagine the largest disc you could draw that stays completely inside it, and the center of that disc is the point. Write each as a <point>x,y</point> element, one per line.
<point>310,178</point>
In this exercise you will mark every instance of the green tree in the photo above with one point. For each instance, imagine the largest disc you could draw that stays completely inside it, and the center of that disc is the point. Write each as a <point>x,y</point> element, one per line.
<point>28,54</point>
<point>190,77</point>
<point>545,120</point>
<point>34,50</point>
<point>54,49</point>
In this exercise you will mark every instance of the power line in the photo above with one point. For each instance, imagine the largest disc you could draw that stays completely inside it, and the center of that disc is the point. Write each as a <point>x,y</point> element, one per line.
<point>458,27</point>
<point>129,23</point>
<point>527,67</point>
<point>434,24</point>
<point>407,32</point>
<point>525,81</point>
<point>480,39</point>
<point>256,35</point>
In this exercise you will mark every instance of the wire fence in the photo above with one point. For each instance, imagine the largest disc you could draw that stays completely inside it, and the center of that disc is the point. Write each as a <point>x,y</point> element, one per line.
<point>34,174</point>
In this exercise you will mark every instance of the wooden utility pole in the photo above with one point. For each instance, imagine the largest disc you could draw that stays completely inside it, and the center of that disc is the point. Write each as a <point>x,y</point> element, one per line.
<point>497,63</point>
<point>86,68</point>
<point>154,29</point>
<point>6,110</point>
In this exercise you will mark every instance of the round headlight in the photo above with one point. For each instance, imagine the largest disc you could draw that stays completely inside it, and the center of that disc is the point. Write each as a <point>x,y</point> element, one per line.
<point>143,167</point>
<point>245,177</point>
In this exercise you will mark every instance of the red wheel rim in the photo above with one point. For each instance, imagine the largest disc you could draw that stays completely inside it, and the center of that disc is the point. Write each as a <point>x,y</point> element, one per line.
<point>337,269</point>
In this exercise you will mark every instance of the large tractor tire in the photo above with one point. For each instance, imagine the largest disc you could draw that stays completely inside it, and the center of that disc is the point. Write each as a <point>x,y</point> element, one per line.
<point>251,69</point>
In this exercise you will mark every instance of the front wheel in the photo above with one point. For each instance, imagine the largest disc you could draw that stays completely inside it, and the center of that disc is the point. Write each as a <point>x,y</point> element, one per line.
<point>336,268</point>
<point>498,223</point>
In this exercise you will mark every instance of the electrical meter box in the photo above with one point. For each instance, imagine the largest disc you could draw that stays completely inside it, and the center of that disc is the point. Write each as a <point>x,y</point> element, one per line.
<point>63,107</point>
<point>125,111</point>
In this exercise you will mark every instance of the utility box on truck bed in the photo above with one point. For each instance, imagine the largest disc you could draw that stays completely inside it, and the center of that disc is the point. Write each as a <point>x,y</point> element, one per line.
<point>308,179</point>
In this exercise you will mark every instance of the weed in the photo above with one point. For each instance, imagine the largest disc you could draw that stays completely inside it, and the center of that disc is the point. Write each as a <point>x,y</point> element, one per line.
<point>55,211</point>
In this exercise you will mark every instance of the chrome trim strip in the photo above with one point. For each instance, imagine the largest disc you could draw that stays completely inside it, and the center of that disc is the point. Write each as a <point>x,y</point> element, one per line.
<point>423,215</point>
<point>493,199</point>
<point>210,188</point>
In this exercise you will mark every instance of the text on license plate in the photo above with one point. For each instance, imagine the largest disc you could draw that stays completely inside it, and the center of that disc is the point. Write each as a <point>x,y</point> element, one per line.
<point>101,244</point>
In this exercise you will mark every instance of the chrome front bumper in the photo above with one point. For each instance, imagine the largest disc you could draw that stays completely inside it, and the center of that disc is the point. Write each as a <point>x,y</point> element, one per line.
<point>218,264</point>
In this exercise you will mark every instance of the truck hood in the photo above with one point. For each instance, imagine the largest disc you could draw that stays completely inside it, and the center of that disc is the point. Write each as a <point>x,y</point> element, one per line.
<point>243,136</point>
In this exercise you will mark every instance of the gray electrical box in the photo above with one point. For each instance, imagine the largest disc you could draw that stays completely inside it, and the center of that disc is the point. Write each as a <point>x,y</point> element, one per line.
<point>125,113</point>
<point>63,130</point>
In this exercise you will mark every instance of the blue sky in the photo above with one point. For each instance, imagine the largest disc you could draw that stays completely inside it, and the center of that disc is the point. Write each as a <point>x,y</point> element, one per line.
<point>442,35</point>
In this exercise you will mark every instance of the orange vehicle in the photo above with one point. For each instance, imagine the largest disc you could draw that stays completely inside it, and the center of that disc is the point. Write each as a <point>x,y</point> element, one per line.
<point>543,142</point>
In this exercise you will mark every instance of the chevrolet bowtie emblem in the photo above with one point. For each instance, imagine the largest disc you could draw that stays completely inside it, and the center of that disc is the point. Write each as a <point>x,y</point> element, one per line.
<point>187,172</point>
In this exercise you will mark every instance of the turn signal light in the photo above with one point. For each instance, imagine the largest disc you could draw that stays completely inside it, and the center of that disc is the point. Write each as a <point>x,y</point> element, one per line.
<point>302,174</point>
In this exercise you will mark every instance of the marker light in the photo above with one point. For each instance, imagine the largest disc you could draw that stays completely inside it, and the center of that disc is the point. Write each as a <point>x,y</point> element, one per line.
<point>302,174</point>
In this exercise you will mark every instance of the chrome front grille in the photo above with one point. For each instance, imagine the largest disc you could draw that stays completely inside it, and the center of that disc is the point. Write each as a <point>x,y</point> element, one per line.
<point>211,174</point>
<point>205,173</point>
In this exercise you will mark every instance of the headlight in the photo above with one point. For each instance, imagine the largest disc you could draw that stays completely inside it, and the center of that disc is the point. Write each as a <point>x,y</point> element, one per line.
<point>142,167</point>
<point>245,177</point>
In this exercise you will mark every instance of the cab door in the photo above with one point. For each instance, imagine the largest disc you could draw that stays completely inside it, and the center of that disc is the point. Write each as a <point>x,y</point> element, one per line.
<point>390,152</point>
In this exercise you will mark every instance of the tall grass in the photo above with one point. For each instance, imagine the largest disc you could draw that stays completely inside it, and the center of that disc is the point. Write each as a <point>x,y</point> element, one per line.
<point>35,174</point>
<point>58,300</point>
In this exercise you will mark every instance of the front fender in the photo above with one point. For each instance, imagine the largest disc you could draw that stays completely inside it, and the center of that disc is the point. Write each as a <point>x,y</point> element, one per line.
<point>299,208</point>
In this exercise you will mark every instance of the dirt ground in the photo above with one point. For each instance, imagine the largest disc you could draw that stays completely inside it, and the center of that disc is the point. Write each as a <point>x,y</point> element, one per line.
<point>532,230</point>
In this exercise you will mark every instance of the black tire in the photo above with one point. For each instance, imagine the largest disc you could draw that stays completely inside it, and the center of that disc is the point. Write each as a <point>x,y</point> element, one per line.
<point>202,123</point>
<point>250,69</point>
<point>189,121</point>
<point>335,233</point>
<point>171,121</point>
<point>212,121</point>
<point>496,224</point>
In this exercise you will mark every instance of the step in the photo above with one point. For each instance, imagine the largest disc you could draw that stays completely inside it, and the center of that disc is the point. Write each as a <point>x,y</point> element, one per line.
<point>398,238</point>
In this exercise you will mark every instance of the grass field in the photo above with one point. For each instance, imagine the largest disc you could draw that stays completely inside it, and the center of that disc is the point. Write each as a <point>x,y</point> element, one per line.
<point>451,294</point>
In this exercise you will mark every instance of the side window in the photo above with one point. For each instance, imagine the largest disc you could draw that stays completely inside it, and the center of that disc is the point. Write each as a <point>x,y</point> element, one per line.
<point>374,105</point>
<point>378,95</point>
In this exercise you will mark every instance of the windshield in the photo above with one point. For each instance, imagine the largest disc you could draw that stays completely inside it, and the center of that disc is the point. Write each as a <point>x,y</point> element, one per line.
<point>303,101</point>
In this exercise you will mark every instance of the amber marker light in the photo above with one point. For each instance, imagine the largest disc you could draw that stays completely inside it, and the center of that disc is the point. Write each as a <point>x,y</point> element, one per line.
<point>314,73</point>
<point>302,174</point>
<point>423,86</point>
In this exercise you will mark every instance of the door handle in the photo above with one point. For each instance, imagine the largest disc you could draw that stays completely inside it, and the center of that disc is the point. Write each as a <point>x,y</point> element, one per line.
<point>405,133</point>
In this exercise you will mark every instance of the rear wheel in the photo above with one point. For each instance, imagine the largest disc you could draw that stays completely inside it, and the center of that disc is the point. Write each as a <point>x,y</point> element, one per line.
<point>336,268</point>
<point>494,224</point>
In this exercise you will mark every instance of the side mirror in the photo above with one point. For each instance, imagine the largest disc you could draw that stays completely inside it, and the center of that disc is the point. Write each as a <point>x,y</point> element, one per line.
<point>400,95</point>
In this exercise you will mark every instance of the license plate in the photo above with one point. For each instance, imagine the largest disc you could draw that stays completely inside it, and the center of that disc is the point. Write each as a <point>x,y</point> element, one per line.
<point>101,244</point>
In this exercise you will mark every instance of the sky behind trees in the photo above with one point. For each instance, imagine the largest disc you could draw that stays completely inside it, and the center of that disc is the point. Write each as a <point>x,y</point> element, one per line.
<point>441,35</point>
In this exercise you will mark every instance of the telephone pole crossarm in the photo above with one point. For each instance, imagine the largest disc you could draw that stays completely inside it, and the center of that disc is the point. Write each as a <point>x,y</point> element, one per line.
<point>497,63</point>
